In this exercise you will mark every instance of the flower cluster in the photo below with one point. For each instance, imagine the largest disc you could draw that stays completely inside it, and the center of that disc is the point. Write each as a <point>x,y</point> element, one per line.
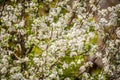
<point>61,40</point>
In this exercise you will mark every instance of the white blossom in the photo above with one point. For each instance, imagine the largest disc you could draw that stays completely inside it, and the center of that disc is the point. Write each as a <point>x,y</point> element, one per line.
<point>3,70</point>
<point>61,32</point>
<point>60,71</point>
<point>67,78</point>
<point>98,54</point>
<point>79,61</point>
<point>105,60</point>
<point>65,65</point>
<point>61,54</point>
<point>17,76</point>
<point>106,68</point>
<point>89,64</point>
<point>73,54</point>
<point>82,68</point>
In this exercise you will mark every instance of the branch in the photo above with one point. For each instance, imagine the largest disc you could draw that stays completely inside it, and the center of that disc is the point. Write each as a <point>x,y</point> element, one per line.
<point>2,8</point>
<point>30,49</point>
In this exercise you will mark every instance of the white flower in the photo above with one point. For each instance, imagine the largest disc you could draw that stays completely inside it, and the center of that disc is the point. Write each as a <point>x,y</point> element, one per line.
<point>75,4</point>
<point>86,75</point>
<point>5,61</point>
<point>67,78</point>
<point>68,7</point>
<point>50,0</point>
<point>79,61</point>
<point>80,45</point>
<point>26,59</point>
<point>103,20</point>
<point>62,54</point>
<point>52,75</point>
<point>31,77</point>
<point>13,18</point>
<point>79,16</point>
<point>65,65</point>
<point>58,10</point>
<point>60,71</point>
<point>59,23</point>
<point>19,6</point>
<point>3,78</point>
<point>15,69</point>
<point>72,63</point>
<point>12,0</point>
<point>3,70</point>
<point>32,4</point>
<point>73,54</point>
<point>55,11</point>
<point>105,60</point>
<point>96,26</point>
<point>91,35</point>
<point>117,41</point>
<point>110,8</point>
<point>23,60</point>
<point>17,76</point>
<point>22,23</point>
<point>8,23</point>
<point>111,44</point>
<point>36,60</point>
<point>98,54</point>
<point>91,1</point>
<point>89,64</point>
<point>106,68</point>
<point>101,77</point>
<point>82,68</point>
<point>103,12</point>
<point>94,8</point>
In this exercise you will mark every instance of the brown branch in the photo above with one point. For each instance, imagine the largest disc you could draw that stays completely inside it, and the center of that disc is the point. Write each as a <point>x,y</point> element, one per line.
<point>30,49</point>
<point>2,8</point>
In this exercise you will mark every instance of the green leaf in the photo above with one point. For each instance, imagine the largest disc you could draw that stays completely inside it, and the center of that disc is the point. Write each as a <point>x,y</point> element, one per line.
<point>34,0</point>
<point>37,50</point>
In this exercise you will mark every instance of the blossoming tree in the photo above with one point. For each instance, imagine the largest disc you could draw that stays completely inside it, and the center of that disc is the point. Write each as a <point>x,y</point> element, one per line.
<point>59,40</point>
